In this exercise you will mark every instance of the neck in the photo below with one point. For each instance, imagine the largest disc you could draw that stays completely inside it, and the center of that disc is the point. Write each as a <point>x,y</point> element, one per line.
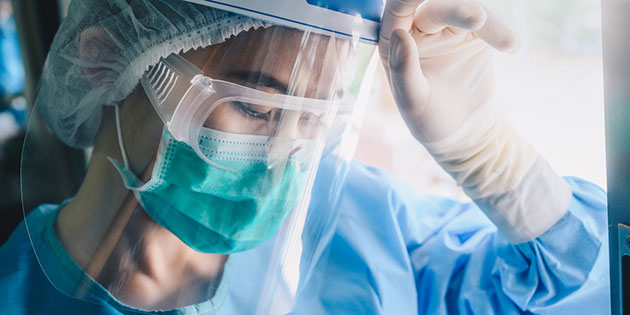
<point>112,239</point>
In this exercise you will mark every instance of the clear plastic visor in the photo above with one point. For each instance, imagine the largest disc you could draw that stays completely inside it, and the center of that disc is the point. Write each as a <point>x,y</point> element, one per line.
<point>226,198</point>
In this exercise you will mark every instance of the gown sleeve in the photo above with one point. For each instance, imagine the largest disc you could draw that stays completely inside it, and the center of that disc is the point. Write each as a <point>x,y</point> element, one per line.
<point>462,264</point>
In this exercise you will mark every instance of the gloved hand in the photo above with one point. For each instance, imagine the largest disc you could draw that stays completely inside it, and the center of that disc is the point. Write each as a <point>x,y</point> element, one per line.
<point>440,61</point>
<point>438,55</point>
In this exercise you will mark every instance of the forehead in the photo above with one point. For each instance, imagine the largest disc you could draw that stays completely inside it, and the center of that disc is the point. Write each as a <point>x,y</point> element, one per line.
<point>307,64</point>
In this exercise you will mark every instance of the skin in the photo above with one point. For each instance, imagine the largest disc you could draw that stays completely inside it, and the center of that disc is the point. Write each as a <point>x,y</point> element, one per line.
<point>107,232</point>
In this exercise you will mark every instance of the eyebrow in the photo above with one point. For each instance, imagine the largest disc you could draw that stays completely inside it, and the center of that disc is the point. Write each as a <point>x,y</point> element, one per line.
<point>256,79</point>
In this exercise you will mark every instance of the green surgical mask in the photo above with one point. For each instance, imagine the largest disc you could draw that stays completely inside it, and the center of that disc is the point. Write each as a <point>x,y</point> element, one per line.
<point>232,204</point>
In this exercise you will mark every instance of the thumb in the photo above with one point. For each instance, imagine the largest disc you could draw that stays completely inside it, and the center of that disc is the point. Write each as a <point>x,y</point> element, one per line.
<point>409,85</point>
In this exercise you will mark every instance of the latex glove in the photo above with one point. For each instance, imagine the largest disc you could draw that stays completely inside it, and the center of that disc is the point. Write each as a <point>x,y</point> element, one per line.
<point>438,54</point>
<point>441,67</point>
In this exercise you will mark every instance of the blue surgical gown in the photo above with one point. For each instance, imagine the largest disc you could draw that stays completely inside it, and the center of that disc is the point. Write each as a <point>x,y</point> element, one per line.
<point>391,251</point>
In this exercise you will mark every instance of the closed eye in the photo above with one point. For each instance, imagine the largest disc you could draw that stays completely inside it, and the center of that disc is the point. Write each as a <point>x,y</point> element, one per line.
<point>253,111</point>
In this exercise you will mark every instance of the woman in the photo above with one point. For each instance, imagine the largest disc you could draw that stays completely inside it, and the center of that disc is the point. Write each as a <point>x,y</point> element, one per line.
<point>213,133</point>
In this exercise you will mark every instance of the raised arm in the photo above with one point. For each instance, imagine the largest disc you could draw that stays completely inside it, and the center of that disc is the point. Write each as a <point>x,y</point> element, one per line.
<point>438,55</point>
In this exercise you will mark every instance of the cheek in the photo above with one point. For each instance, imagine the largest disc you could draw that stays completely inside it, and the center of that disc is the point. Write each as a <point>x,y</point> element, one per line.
<point>149,171</point>
<point>142,130</point>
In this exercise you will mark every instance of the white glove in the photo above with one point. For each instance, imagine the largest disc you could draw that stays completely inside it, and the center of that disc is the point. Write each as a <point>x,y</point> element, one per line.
<point>441,64</point>
<point>441,73</point>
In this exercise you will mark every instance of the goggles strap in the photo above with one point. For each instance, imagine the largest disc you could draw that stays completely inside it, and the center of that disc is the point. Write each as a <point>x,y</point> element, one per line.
<point>121,143</point>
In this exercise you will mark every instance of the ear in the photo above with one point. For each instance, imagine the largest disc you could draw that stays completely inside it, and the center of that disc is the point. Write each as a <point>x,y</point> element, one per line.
<point>96,49</point>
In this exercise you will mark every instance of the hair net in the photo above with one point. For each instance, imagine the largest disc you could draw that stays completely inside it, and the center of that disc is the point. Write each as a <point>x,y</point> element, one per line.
<point>102,49</point>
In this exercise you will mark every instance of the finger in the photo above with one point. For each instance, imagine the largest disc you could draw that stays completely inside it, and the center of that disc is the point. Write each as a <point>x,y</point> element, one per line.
<point>409,85</point>
<point>397,14</point>
<point>434,16</point>
<point>498,33</point>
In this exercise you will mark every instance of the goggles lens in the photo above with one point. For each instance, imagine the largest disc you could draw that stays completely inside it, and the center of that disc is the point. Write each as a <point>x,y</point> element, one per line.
<point>187,101</point>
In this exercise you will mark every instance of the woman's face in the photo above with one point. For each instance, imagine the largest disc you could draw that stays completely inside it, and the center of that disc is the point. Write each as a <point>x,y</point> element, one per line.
<point>276,60</point>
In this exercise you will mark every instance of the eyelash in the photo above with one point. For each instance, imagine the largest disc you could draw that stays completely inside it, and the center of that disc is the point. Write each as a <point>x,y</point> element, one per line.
<point>252,113</point>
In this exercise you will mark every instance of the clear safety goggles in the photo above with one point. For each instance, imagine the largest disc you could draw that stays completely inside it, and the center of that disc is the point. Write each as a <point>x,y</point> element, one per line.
<point>187,101</point>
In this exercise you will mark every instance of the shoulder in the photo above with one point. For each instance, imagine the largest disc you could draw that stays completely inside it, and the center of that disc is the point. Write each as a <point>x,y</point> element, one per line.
<point>388,208</point>
<point>351,188</point>
<point>377,190</point>
<point>371,184</point>
<point>359,235</point>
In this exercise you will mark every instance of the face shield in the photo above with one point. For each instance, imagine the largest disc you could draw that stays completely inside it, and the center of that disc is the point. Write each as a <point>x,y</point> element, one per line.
<point>240,190</point>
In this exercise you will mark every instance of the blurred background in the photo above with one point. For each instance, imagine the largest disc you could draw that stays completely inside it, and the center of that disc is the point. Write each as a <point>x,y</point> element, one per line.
<point>13,110</point>
<point>552,90</point>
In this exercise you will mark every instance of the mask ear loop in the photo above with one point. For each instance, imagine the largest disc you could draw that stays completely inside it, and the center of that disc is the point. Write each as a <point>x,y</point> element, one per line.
<point>121,143</point>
